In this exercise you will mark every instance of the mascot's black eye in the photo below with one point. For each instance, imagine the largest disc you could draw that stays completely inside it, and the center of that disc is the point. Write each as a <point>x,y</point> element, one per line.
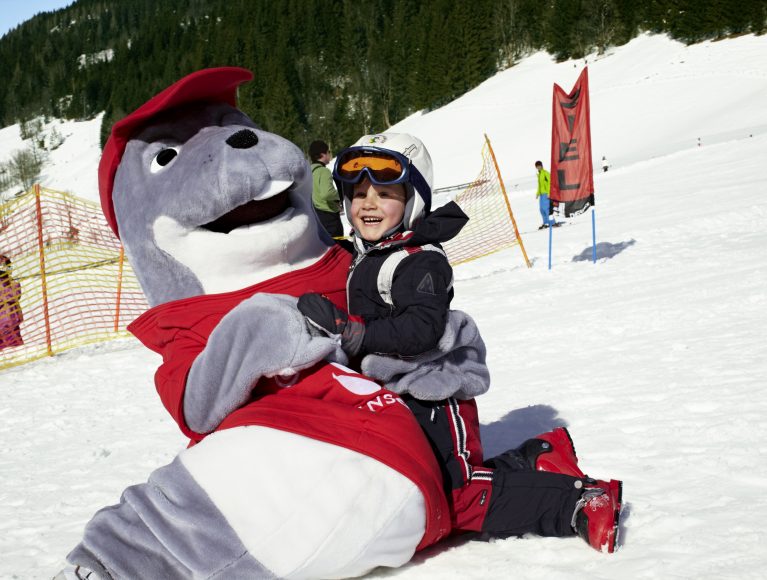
<point>163,159</point>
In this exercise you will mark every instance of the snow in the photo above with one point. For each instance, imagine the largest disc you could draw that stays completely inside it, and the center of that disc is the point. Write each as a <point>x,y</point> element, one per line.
<point>654,357</point>
<point>71,167</point>
<point>86,60</point>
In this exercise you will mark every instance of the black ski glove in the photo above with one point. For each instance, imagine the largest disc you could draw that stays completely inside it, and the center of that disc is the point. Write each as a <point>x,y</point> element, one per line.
<point>321,313</point>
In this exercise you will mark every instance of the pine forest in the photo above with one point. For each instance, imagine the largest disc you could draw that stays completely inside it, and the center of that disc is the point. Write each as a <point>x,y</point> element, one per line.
<point>331,70</point>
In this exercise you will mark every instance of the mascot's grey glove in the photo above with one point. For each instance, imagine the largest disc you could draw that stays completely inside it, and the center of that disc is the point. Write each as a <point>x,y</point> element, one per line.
<point>322,314</point>
<point>456,368</point>
<point>263,336</point>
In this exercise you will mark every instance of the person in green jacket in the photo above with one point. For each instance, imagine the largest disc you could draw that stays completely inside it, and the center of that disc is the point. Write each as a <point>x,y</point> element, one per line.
<point>544,186</point>
<point>324,195</point>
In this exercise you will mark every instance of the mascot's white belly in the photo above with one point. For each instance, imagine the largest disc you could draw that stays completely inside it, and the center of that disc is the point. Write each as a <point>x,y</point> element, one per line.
<point>305,508</point>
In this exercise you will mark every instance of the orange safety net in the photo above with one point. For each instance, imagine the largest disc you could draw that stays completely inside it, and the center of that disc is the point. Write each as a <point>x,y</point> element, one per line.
<point>64,280</point>
<point>68,283</point>
<point>491,225</point>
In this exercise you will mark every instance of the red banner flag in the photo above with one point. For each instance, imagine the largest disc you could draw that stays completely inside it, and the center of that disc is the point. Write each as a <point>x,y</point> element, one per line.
<point>572,177</point>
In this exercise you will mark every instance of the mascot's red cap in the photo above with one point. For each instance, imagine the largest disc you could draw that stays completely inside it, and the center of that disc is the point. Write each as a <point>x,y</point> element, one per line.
<point>212,85</point>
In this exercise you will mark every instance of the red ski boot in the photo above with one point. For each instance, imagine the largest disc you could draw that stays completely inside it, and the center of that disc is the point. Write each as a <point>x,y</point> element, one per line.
<point>597,514</point>
<point>553,451</point>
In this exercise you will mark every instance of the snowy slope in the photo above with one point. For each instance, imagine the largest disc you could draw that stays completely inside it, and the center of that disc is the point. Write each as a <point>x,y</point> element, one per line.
<point>651,97</point>
<point>654,357</point>
<point>70,167</point>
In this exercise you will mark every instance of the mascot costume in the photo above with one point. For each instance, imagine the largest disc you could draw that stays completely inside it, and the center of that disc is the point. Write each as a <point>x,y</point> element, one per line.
<point>298,466</point>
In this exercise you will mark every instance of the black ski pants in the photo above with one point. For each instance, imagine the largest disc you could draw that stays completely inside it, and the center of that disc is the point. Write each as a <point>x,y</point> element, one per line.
<point>501,497</point>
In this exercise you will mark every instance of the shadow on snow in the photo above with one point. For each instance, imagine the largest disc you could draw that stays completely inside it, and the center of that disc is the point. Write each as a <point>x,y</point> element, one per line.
<point>604,250</point>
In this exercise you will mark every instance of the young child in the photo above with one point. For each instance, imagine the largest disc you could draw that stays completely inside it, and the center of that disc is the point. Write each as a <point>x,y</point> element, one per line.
<point>399,290</point>
<point>11,316</point>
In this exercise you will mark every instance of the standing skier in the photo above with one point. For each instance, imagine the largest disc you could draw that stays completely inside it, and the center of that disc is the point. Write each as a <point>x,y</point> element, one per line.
<point>544,186</point>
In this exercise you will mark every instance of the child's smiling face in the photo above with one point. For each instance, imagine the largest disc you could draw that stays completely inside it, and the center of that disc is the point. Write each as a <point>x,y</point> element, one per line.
<point>376,209</point>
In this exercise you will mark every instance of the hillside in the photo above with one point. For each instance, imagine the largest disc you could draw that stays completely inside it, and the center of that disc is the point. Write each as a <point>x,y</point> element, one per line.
<point>331,70</point>
<point>71,166</point>
<point>642,96</point>
<point>654,357</point>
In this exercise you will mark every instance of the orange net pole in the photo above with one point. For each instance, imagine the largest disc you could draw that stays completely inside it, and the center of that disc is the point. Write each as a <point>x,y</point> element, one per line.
<point>491,226</point>
<point>76,285</point>
<point>506,199</point>
<point>43,280</point>
<point>119,287</point>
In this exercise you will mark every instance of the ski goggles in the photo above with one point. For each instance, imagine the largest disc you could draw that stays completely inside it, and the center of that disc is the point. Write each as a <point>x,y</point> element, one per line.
<point>382,167</point>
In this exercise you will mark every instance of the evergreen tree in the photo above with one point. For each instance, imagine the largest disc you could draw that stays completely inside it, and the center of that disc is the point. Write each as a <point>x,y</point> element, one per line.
<point>562,29</point>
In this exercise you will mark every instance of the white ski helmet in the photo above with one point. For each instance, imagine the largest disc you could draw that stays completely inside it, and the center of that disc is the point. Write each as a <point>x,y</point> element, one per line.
<point>417,176</point>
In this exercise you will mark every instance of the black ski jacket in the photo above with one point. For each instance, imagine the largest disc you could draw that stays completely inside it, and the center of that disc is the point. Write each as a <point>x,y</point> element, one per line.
<point>402,286</point>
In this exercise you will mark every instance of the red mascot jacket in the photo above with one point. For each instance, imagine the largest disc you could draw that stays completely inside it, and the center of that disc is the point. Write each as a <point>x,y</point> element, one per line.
<point>317,405</point>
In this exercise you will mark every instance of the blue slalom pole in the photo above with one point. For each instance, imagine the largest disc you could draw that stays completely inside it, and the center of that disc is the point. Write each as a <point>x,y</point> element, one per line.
<point>551,227</point>
<point>593,236</point>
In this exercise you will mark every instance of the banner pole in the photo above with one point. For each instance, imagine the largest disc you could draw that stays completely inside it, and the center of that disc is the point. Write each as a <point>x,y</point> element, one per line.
<point>550,237</point>
<point>593,235</point>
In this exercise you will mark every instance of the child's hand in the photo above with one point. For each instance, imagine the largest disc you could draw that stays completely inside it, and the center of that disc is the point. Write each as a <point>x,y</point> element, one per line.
<point>321,313</point>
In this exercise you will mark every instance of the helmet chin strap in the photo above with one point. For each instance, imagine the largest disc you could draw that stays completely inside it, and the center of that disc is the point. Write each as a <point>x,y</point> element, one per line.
<point>399,227</point>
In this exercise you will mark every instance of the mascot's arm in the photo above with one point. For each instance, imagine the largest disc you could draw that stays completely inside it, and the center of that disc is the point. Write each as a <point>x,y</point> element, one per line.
<point>263,336</point>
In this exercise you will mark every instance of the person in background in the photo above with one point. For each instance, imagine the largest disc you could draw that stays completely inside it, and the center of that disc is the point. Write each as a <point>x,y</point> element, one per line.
<point>544,186</point>
<point>324,195</point>
<point>10,307</point>
<point>605,164</point>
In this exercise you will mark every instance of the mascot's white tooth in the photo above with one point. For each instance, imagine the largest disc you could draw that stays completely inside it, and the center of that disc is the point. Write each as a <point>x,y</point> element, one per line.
<point>274,188</point>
